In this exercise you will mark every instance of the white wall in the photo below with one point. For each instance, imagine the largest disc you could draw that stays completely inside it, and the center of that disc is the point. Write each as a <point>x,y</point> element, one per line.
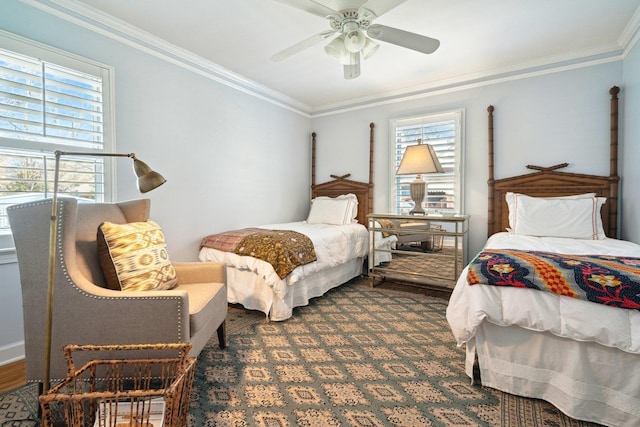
<point>630,146</point>
<point>543,120</point>
<point>11,326</point>
<point>231,160</point>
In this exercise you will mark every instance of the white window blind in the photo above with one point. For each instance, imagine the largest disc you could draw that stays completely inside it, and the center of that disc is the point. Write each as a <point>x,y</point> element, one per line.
<point>44,102</point>
<point>443,132</point>
<point>50,100</point>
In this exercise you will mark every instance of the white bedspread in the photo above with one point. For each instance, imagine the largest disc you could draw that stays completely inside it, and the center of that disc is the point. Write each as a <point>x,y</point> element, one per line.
<point>334,245</point>
<point>566,317</point>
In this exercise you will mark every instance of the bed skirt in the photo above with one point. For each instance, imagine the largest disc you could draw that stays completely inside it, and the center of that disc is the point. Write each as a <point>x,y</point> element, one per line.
<point>594,382</point>
<point>250,290</point>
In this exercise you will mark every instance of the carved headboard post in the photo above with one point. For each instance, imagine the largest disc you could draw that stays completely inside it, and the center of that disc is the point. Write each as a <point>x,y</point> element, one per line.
<point>313,159</point>
<point>613,174</point>
<point>491,180</point>
<point>371,126</point>
<point>342,185</point>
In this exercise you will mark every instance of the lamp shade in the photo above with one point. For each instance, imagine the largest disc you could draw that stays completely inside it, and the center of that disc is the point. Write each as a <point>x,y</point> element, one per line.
<point>419,159</point>
<point>354,41</point>
<point>370,47</point>
<point>148,179</point>
<point>336,48</point>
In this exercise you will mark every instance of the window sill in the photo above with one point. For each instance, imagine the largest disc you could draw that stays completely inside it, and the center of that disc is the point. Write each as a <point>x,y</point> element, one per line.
<point>8,256</point>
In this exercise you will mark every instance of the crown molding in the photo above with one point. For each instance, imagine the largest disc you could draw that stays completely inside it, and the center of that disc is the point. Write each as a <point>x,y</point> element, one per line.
<point>470,81</point>
<point>108,26</point>
<point>101,23</point>
<point>631,33</point>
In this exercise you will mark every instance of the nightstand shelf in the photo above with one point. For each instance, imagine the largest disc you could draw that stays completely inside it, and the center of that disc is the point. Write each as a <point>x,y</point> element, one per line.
<point>430,251</point>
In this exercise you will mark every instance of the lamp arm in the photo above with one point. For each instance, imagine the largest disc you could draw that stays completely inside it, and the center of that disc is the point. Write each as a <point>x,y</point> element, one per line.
<point>59,153</point>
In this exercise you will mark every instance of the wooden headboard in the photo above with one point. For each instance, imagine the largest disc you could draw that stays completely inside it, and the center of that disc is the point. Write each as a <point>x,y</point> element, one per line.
<point>549,182</point>
<point>341,185</point>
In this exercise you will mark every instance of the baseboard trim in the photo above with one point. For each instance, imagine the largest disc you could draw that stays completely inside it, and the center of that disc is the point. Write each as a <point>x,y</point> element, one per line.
<point>12,353</point>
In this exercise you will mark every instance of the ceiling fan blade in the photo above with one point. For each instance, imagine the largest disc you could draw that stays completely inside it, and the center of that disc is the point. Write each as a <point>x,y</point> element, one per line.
<point>300,46</point>
<point>403,38</point>
<point>310,6</point>
<point>380,7</point>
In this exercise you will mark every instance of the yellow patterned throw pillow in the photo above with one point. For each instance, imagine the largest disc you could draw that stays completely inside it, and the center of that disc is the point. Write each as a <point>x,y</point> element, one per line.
<point>134,256</point>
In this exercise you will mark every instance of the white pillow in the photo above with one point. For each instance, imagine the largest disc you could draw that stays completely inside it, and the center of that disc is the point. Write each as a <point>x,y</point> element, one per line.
<point>353,202</point>
<point>511,202</point>
<point>572,218</point>
<point>330,211</point>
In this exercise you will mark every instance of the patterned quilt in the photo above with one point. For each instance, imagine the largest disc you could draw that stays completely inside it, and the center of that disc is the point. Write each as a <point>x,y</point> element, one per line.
<point>386,223</point>
<point>283,249</point>
<point>608,280</point>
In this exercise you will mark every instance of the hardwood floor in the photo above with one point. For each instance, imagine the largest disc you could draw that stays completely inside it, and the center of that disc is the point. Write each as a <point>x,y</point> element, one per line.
<point>12,376</point>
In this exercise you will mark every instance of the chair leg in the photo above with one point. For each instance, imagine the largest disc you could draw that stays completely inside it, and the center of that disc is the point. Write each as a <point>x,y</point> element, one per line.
<point>222,334</point>
<point>40,392</point>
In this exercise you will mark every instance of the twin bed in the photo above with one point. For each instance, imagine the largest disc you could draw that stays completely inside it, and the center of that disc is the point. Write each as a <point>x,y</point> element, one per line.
<point>582,356</point>
<point>336,226</point>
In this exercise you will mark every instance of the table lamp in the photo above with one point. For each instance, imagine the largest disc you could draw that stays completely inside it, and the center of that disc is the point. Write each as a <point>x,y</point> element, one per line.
<point>417,160</point>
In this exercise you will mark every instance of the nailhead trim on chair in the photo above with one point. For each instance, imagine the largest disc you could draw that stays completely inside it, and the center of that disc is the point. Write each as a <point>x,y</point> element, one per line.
<point>68,278</point>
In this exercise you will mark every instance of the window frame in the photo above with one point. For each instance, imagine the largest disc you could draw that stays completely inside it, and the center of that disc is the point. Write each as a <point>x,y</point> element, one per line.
<point>30,48</point>
<point>458,116</point>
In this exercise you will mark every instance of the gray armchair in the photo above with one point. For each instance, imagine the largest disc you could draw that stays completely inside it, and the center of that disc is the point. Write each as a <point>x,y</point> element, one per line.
<point>84,310</point>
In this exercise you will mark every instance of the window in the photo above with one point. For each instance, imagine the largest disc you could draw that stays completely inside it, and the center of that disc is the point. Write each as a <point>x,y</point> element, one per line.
<point>444,132</point>
<point>50,100</point>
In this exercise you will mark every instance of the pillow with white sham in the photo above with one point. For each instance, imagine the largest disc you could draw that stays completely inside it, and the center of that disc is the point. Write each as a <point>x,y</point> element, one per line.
<point>571,218</point>
<point>330,211</point>
<point>512,197</point>
<point>354,203</point>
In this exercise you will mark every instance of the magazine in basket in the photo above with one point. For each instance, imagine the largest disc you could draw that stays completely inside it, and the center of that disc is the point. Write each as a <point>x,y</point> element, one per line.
<point>140,413</point>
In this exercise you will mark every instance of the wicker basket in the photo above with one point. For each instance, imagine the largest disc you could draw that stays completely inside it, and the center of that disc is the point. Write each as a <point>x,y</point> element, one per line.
<point>123,392</point>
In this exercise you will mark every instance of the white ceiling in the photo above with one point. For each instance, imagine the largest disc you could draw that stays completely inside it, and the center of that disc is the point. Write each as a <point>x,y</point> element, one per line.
<point>479,39</point>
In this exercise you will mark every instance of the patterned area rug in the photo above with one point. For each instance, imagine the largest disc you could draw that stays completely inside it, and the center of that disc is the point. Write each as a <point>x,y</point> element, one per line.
<point>358,356</point>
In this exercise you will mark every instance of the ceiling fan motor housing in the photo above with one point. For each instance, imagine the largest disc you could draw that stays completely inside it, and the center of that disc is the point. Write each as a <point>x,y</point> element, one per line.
<point>356,33</point>
<point>352,23</point>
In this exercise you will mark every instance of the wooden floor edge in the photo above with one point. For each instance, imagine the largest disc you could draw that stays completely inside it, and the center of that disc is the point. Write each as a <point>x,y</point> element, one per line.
<point>12,375</point>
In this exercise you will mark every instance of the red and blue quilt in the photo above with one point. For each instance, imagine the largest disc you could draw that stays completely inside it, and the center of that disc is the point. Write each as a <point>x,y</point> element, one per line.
<point>603,279</point>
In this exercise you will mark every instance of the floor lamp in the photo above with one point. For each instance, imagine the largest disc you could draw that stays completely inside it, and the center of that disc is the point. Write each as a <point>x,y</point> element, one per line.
<point>417,160</point>
<point>147,181</point>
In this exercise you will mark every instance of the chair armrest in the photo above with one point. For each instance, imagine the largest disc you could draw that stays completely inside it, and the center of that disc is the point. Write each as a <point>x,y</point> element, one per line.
<point>94,315</point>
<point>138,305</point>
<point>200,272</point>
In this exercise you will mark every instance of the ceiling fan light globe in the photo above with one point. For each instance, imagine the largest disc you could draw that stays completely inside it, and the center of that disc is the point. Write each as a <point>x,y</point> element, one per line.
<point>336,49</point>
<point>370,47</point>
<point>354,41</point>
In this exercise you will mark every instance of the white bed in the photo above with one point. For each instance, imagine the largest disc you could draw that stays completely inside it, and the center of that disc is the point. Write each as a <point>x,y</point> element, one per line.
<point>582,356</point>
<point>341,250</point>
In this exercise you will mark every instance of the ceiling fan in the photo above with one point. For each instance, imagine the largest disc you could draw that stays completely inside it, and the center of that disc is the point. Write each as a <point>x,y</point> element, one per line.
<point>352,21</point>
